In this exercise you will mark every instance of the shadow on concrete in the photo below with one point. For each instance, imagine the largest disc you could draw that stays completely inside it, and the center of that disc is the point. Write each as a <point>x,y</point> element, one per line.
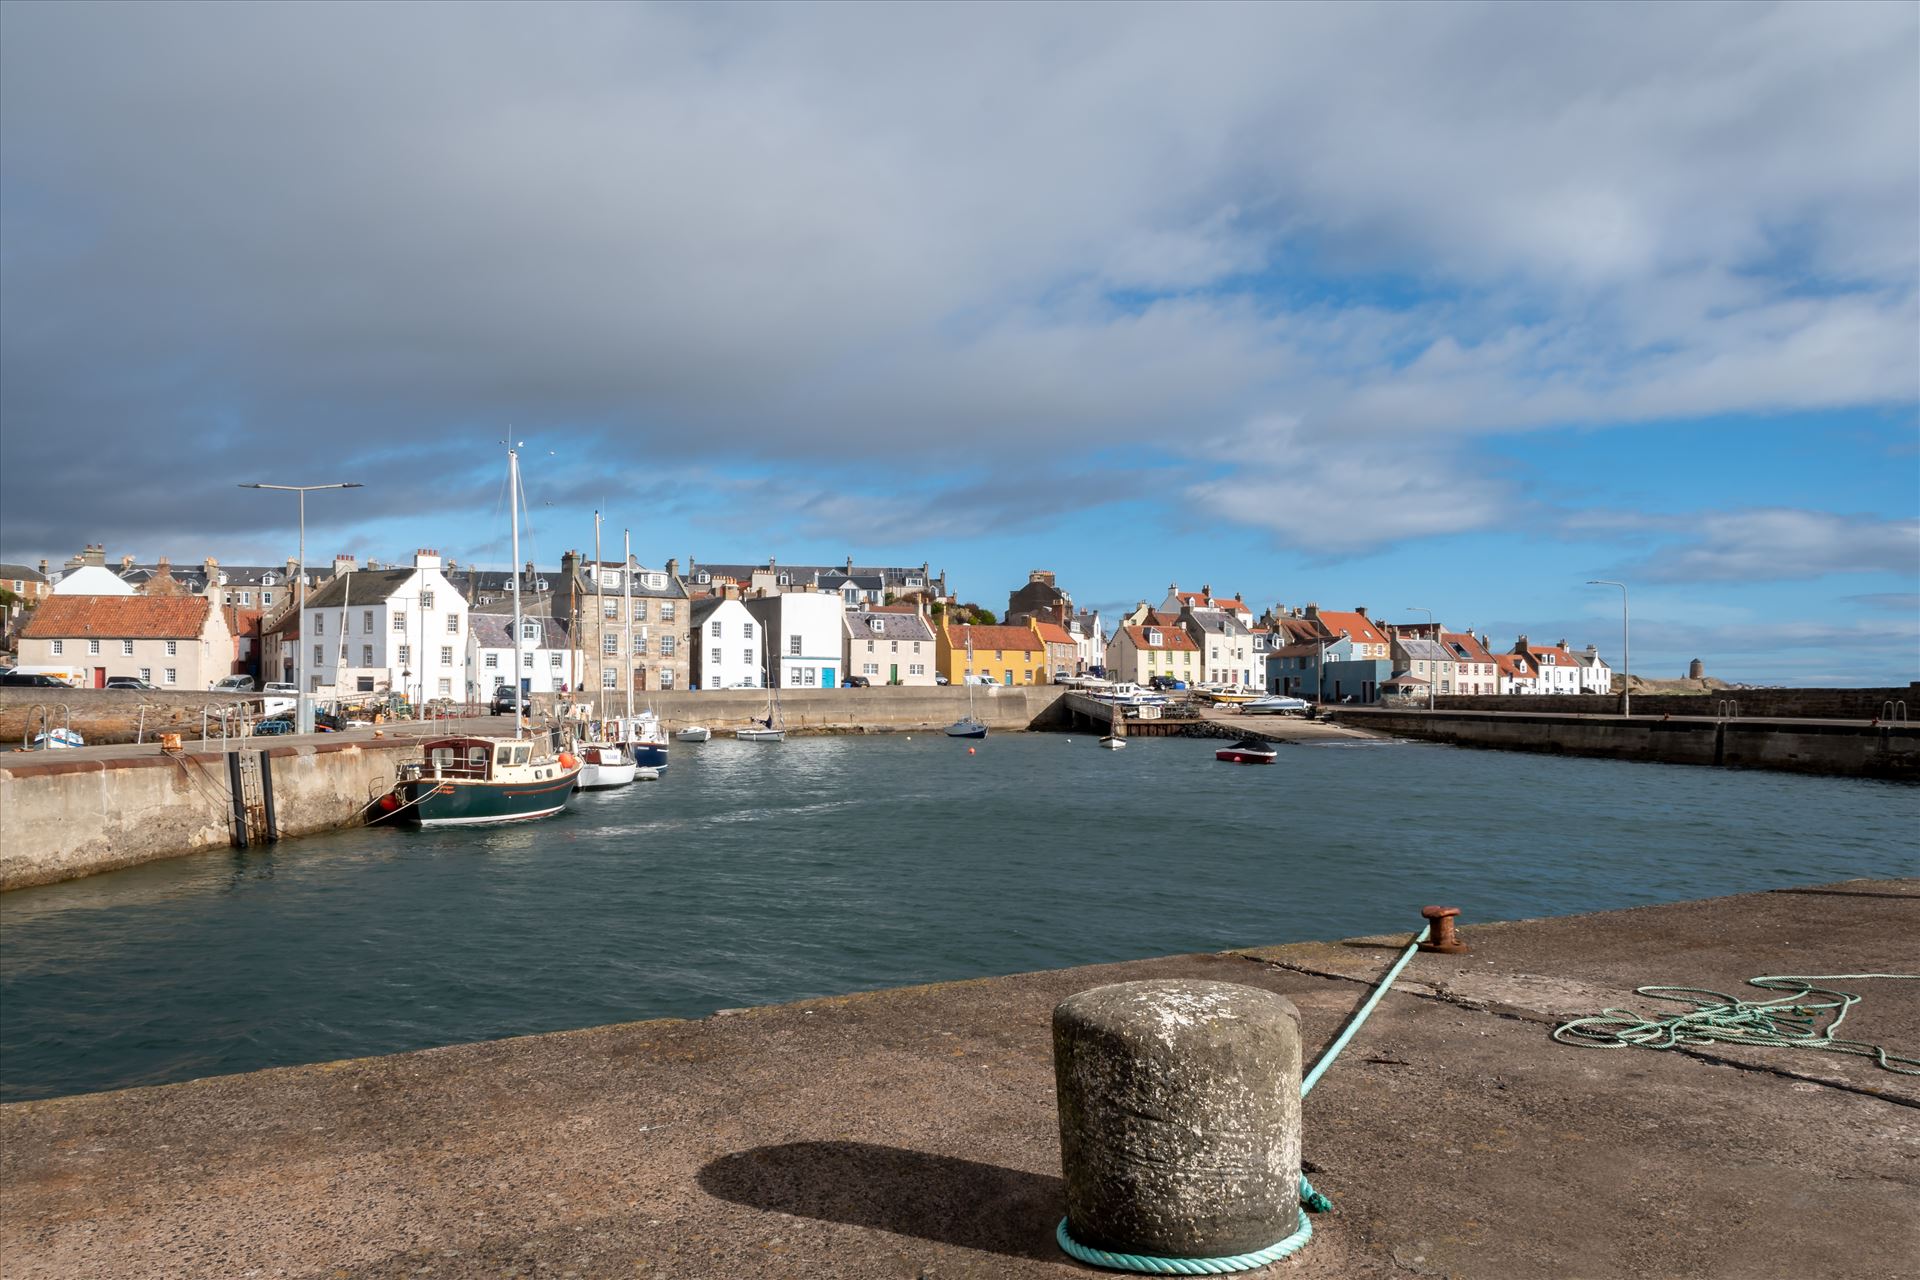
<point>910,1193</point>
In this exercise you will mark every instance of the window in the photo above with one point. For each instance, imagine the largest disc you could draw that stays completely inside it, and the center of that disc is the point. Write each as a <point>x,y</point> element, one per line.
<point>793,645</point>
<point>746,631</point>
<point>529,630</point>
<point>879,626</point>
<point>366,655</point>
<point>319,655</point>
<point>793,675</point>
<point>916,669</point>
<point>666,646</point>
<point>746,656</point>
<point>714,658</point>
<point>666,611</point>
<point>93,646</point>
<point>453,624</point>
<point>526,661</point>
<point>246,597</point>
<point>146,673</point>
<point>319,624</point>
<point>666,677</point>
<point>446,655</point>
<point>405,655</point>
<point>610,679</point>
<point>640,645</point>
<point>639,610</point>
<point>896,646</point>
<point>426,600</point>
<point>869,646</point>
<point>400,620</point>
<point>716,632</point>
<point>553,660</point>
<point>446,687</point>
<point>59,646</point>
<point>492,660</point>
<point>267,579</point>
<point>266,599</point>
<point>810,673</point>
<point>366,621</point>
<point>610,645</point>
<point>173,675</point>
<point>916,646</point>
<point>609,608</point>
<point>870,669</point>
<point>610,578</point>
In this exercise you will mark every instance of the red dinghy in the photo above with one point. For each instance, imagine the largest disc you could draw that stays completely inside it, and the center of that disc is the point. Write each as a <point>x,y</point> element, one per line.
<point>1246,751</point>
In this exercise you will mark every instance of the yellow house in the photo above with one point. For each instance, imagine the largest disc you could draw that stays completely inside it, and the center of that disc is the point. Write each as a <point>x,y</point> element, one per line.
<point>1003,655</point>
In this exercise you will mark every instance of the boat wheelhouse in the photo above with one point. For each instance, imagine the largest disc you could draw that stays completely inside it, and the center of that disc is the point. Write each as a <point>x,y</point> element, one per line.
<point>463,781</point>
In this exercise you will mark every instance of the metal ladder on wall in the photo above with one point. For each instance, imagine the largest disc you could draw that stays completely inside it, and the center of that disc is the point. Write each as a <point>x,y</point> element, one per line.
<point>251,817</point>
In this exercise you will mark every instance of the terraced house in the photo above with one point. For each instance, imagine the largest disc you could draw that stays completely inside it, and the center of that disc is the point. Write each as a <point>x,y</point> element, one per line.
<point>172,642</point>
<point>1154,647</point>
<point>890,647</point>
<point>1004,655</point>
<point>635,623</point>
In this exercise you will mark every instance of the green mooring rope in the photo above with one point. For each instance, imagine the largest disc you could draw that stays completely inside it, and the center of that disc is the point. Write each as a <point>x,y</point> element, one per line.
<point>1787,1021</point>
<point>1311,1201</point>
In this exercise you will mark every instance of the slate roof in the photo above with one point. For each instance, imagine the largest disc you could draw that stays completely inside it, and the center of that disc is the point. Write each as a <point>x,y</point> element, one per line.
<point>1425,650</point>
<point>671,588</point>
<point>894,625</point>
<point>703,608</point>
<point>362,586</point>
<point>495,631</point>
<point>118,618</point>
<point>1221,622</point>
<point>21,572</point>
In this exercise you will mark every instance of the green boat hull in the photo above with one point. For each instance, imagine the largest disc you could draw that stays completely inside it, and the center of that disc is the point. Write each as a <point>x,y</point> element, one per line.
<point>466,802</point>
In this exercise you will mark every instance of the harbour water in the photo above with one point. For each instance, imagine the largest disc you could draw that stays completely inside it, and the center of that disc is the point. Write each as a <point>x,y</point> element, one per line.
<point>761,873</point>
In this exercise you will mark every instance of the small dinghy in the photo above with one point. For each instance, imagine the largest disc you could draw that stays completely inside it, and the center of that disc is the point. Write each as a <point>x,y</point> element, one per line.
<point>1246,751</point>
<point>694,733</point>
<point>646,773</point>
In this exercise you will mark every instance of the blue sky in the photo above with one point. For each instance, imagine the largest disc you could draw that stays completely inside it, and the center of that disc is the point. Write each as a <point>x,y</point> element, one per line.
<point>1454,305</point>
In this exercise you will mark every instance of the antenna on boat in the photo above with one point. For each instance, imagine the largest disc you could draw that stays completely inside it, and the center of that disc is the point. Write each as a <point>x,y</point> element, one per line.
<point>513,517</point>
<point>626,576</point>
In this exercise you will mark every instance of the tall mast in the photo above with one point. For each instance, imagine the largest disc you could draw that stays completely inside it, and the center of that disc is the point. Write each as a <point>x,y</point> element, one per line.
<point>599,626</point>
<point>513,515</point>
<point>626,576</point>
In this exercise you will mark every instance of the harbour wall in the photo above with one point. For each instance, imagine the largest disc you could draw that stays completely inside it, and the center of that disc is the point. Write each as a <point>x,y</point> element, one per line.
<point>1855,749</point>
<point>66,818</point>
<point>1795,704</point>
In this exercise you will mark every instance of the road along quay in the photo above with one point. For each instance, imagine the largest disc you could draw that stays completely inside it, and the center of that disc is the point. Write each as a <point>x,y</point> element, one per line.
<point>913,1132</point>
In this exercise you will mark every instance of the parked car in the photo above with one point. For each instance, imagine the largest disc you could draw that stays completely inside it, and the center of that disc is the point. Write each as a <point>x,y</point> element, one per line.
<point>858,682</point>
<point>34,680</point>
<point>128,682</point>
<point>505,698</point>
<point>323,722</point>
<point>236,684</point>
<point>280,696</point>
<point>940,678</point>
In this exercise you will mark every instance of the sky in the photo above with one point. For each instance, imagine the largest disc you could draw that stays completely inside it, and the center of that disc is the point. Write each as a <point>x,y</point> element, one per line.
<point>1450,307</point>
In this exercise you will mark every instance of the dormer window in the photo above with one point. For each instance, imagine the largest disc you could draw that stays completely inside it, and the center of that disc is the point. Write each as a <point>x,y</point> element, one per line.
<point>1153,637</point>
<point>267,579</point>
<point>879,625</point>
<point>609,578</point>
<point>704,577</point>
<point>540,584</point>
<point>656,582</point>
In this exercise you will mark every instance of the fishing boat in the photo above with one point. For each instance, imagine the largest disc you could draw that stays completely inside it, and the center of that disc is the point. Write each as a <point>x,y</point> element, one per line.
<point>694,733</point>
<point>1117,735</point>
<point>466,780</point>
<point>647,740</point>
<point>971,727</point>
<point>1246,751</point>
<point>773,728</point>
<point>604,765</point>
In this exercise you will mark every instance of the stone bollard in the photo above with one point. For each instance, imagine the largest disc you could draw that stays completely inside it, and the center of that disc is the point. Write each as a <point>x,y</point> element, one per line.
<point>1179,1117</point>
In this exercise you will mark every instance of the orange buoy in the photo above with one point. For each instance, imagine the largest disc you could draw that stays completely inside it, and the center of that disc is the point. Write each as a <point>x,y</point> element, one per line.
<point>388,803</point>
<point>969,750</point>
<point>568,760</point>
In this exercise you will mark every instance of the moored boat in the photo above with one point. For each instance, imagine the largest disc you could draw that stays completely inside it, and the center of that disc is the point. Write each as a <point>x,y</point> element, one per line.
<point>972,726</point>
<point>1247,751</point>
<point>694,733</point>
<point>465,781</point>
<point>604,765</point>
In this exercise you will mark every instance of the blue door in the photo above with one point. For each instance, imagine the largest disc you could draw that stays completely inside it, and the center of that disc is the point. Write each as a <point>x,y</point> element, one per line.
<point>826,677</point>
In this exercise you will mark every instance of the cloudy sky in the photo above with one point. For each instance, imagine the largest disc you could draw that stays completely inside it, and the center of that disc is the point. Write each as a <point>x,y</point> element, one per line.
<point>1447,306</point>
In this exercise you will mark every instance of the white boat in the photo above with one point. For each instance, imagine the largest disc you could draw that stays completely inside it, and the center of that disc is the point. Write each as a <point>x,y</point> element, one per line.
<point>56,739</point>
<point>1117,732</point>
<point>694,733</point>
<point>1272,705</point>
<point>773,728</point>
<point>604,765</point>
<point>647,774</point>
<point>1128,694</point>
<point>1113,743</point>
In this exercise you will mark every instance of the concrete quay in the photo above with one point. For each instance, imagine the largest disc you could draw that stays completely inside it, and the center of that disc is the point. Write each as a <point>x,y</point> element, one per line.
<point>911,1133</point>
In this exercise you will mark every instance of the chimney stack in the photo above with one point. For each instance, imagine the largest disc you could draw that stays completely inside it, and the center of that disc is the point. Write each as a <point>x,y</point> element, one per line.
<point>673,567</point>
<point>1360,609</point>
<point>95,555</point>
<point>43,566</point>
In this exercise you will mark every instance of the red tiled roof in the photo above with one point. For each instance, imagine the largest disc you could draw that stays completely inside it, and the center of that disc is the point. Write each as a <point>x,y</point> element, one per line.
<point>1357,627</point>
<point>1512,664</point>
<point>1561,658</point>
<point>985,637</point>
<point>1170,638</point>
<point>1054,633</point>
<point>118,618</point>
<point>1466,640</point>
<point>241,621</point>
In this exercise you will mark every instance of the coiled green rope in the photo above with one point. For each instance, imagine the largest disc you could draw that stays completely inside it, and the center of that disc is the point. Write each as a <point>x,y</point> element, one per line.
<point>1311,1201</point>
<point>1787,1021</point>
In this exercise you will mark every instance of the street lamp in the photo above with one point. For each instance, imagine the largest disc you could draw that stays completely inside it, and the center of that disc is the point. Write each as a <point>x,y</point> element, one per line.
<point>1626,649</point>
<point>303,710</point>
<point>1434,623</point>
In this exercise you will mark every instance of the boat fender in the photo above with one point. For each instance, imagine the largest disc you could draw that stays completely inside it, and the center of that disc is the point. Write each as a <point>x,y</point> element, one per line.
<point>388,803</point>
<point>568,760</point>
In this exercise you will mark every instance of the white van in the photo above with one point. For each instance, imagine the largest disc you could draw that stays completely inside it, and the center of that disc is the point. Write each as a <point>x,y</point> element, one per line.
<point>74,677</point>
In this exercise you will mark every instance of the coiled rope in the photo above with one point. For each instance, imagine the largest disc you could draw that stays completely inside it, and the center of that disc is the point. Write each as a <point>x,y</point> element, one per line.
<point>1311,1201</point>
<point>1791,1021</point>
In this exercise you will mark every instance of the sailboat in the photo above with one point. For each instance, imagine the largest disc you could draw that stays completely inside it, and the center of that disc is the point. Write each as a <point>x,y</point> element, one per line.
<point>604,761</point>
<point>774,727</point>
<point>971,727</point>
<point>467,779</point>
<point>643,734</point>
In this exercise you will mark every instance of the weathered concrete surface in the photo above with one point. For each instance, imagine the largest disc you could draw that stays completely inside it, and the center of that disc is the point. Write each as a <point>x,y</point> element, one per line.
<point>912,1133</point>
<point>1852,748</point>
<point>1179,1117</point>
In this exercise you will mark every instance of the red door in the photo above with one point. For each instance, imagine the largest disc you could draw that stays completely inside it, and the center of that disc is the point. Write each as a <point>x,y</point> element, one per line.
<point>99,677</point>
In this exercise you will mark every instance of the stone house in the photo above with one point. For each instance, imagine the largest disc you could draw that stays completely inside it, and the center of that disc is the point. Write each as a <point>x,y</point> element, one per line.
<point>890,647</point>
<point>172,642</point>
<point>1474,670</point>
<point>1516,674</point>
<point>1204,598</point>
<point>1040,598</point>
<point>630,618</point>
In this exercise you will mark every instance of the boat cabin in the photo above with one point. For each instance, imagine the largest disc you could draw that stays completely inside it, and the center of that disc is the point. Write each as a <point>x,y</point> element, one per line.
<point>473,757</point>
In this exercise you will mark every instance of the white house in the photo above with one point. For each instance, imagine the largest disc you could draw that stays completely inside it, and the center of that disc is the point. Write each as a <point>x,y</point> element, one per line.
<point>546,653</point>
<point>726,645</point>
<point>1226,645</point>
<point>1554,667</point>
<point>806,633</point>
<point>1089,640</point>
<point>1595,675</point>
<point>890,648</point>
<point>404,630</point>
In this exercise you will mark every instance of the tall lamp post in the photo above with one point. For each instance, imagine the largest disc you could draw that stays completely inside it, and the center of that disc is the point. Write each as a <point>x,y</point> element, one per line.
<point>1431,675</point>
<point>1626,648</point>
<point>303,709</point>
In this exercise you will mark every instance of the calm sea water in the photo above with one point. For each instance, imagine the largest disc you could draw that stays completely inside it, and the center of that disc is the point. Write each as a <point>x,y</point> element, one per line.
<point>757,873</point>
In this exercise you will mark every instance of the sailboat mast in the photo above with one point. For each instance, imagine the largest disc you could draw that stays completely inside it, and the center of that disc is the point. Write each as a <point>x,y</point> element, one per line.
<point>599,626</point>
<point>626,576</point>
<point>513,515</point>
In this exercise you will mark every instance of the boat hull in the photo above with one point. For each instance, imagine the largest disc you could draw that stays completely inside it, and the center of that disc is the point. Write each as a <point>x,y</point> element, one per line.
<point>967,729</point>
<point>649,755</point>
<point>460,802</point>
<point>604,767</point>
<point>1113,744</point>
<point>1232,756</point>
<point>694,735</point>
<point>760,735</point>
